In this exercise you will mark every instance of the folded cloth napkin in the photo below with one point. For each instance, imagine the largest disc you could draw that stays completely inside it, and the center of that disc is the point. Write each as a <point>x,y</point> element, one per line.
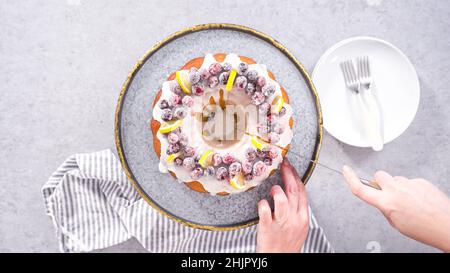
<point>93,206</point>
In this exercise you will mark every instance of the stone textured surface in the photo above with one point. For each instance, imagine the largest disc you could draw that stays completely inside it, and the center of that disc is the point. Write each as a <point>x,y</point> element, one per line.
<point>62,65</point>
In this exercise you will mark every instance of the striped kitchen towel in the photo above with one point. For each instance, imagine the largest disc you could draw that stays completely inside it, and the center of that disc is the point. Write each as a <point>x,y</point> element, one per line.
<point>93,206</point>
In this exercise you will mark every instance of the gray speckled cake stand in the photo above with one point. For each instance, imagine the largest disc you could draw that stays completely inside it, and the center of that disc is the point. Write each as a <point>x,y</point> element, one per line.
<point>134,110</point>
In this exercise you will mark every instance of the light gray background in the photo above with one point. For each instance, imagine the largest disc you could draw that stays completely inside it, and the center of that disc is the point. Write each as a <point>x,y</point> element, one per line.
<point>63,62</point>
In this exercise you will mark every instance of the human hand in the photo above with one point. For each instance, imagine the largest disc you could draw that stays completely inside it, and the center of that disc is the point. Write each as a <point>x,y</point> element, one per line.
<point>286,229</point>
<point>415,207</point>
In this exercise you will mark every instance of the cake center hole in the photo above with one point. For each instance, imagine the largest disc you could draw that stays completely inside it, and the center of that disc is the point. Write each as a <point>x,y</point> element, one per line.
<point>223,125</point>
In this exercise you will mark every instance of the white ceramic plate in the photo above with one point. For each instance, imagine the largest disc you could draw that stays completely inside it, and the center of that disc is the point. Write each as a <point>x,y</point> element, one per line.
<point>396,89</point>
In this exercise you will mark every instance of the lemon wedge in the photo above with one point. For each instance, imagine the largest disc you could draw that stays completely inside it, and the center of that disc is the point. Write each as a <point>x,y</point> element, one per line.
<point>183,81</point>
<point>205,159</point>
<point>172,157</point>
<point>230,81</point>
<point>257,143</point>
<point>277,104</point>
<point>237,182</point>
<point>170,126</point>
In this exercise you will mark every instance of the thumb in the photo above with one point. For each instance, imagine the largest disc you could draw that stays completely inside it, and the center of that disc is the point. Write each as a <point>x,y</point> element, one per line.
<point>365,193</point>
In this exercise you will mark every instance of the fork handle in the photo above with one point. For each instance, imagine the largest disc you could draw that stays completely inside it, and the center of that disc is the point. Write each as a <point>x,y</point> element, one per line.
<point>373,119</point>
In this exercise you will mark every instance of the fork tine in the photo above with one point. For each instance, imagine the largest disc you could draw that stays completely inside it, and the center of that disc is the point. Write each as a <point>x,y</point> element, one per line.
<point>352,71</point>
<point>345,73</point>
<point>367,66</point>
<point>349,71</point>
<point>360,67</point>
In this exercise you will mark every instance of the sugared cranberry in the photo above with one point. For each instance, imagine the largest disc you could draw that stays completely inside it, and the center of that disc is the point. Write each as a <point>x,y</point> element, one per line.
<point>242,68</point>
<point>250,154</point>
<point>235,168</point>
<point>261,153</point>
<point>248,177</point>
<point>247,166</point>
<point>179,112</point>
<point>187,101</point>
<point>194,76</point>
<point>213,81</point>
<point>189,163</point>
<point>268,89</point>
<point>175,88</point>
<point>197,89</point>
<point>173,138</point>
<point>258,98</point>
<point>226,66</point>
<point>173,148</point>
<point>196,173</point>
<point>163,104</point>
<point>223,77</point>
<point>189,151</point>
<point>222,173</point>
<point>227,158</point>
<point>252,75</point>
<point>268,161</point>
<point>273,152</point>
<point>216,159</point>
<point>261,81</point>
<point>175,99</point>
<point>166,115</point>
<point>241,82</point>
<point>282,112</point>
<point>250,89</point>
<point>259,168</point>
<point>210,171</point>
<point>204,74</point>
<point>215,68</point>
<point>178,161</point>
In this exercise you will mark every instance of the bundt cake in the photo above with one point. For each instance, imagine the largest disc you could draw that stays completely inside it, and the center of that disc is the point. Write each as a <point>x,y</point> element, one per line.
<point>221,124</point>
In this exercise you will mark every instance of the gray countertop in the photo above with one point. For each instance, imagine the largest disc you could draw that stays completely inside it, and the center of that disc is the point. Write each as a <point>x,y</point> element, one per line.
<point>62,65</point>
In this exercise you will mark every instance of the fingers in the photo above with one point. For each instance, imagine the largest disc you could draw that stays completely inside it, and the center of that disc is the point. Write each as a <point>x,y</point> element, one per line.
<point>281,204</point>
<point>367,194</point>
<point>295,192</point>
<point>303,199</point>
<point>383,179</point>
<point>264,212</point>
<point>290,183</point>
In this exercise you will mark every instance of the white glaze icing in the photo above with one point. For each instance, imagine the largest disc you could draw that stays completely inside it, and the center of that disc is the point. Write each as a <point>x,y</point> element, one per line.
<point>211,184</point>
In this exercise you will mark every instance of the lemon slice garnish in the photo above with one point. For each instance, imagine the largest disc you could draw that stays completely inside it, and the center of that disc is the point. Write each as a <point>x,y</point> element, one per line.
<point>170,126</point>
<point>277,104</point>
<point>172,157</point>
<point>183,81</point>
<point>257,143</point>
<point>205,159</point>
<point>230,81</point>
<point>237,182</point>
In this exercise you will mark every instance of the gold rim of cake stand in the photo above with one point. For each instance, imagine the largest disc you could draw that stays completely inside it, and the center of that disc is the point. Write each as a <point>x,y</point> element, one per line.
<point>162,43</point>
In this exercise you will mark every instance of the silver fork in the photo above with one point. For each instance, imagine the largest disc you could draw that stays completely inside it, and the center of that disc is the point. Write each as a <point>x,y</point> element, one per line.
<point>365,77</point>
<point>366,82</point>
<point>350,76</point>
<point>370,118</point>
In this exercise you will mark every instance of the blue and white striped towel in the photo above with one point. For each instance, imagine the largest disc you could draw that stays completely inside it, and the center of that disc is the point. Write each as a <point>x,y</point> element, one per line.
<point>93,206</point>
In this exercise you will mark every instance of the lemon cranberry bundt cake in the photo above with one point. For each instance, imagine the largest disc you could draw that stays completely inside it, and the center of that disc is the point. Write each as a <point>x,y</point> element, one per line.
<point>221,124</point>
